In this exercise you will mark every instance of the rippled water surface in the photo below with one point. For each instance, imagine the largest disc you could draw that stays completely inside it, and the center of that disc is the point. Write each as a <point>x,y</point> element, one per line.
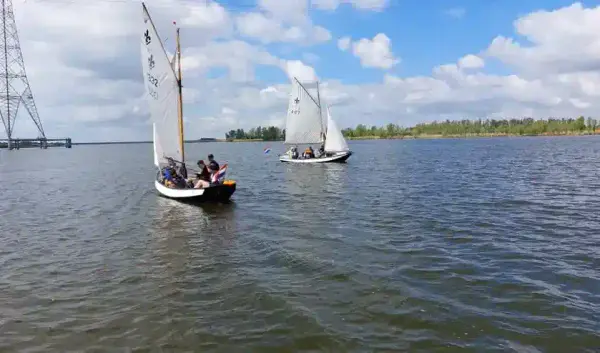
<point>478,245</point>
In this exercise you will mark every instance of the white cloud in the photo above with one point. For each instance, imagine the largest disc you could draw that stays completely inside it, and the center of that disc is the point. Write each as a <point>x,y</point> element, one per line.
<point>294,11</point>
<point>344,43</point>
<point>471,61</point>
<point>281,21</point>
<point>237,56</point>
<point>296,68</point>
<point>376,52</point>
<point>267,30</point>
<point>372,5</point>
<point>84,67</point>
<point>563,40</point>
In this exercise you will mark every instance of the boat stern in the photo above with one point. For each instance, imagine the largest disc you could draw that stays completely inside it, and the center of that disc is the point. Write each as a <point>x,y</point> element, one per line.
<point>221,192</point>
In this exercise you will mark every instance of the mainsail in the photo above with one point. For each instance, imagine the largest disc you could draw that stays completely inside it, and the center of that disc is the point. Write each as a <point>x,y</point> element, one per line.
<point>335,141</point>
<point>303,123</point>
<point>162,90</point>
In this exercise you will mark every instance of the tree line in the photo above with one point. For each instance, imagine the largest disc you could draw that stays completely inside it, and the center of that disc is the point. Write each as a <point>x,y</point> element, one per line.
<point>525,126</point>
<point>269,133</point>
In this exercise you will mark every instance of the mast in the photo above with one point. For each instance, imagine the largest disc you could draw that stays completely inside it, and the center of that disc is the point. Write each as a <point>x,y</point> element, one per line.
<point>179,99</point>
<point>320,111</point>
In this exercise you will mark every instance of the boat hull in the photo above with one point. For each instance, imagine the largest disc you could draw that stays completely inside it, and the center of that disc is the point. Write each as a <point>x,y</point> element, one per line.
<point>339,157</point>
<point>216,193</point>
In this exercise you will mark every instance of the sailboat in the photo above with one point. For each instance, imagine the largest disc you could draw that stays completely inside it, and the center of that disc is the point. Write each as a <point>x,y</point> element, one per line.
<point>164,94</point>
<point>304,126</point>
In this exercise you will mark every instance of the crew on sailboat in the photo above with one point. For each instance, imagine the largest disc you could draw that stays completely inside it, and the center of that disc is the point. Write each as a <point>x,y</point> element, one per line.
<point>204,173</point>
<point>212,164</point>
<point>171,178</point>
<point>321,151</point>
<point>308,153</point>
<point>205,177</point>
<point>293,152</point>
<point>202,178</point>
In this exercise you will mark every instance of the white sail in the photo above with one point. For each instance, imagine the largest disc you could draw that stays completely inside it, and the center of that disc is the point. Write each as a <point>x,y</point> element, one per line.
<point>303,123</point>
<point>335,141</point>
<point>162,91</point>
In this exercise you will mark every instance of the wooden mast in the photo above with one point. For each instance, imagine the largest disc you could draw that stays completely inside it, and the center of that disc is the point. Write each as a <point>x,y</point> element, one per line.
<point>179,99</point>
<point>320,113</point>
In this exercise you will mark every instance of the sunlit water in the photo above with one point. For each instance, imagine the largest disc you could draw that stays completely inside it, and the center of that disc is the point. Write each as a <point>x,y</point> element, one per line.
<point>475,245</point>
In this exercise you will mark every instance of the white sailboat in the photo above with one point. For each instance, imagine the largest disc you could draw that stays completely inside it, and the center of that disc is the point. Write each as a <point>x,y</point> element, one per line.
<point>305,126</point>
<point>164,95</point>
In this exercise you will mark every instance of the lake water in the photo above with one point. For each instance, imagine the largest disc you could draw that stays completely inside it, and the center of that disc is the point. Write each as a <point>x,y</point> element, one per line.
<point>474,245</point>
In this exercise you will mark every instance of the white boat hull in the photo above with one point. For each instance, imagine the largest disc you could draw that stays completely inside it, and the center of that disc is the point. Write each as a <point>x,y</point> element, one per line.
<point>339,157</point>
<point>212,193</point>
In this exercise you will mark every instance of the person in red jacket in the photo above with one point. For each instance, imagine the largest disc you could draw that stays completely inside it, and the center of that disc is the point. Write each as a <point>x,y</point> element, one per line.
<point>203,177</point>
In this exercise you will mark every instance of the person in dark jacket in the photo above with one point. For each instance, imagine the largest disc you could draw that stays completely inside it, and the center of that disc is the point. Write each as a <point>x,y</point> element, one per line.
<point>213,166</point>
<point>204,173</point>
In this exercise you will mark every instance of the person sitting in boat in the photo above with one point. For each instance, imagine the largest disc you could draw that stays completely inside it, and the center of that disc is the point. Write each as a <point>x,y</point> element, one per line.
<point>322,151</point>
<point>182,171</point>
<point>168,176</point>
<point>309,152</point>
<point>293,152</point>
<point>213,166</point>
<point>204,173</point>
<point>200,184</point>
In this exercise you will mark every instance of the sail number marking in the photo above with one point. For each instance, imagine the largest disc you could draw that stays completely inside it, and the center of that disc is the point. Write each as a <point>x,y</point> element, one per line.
<point>152,93</point>
<point>153,81</point>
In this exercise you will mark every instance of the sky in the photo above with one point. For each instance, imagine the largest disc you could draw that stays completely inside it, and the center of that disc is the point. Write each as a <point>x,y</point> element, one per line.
<point>377,61</point>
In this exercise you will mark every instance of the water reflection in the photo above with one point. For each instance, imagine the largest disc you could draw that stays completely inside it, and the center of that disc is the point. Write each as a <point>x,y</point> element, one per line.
<point>187,237</point>
<point>335,177</point>
<point>310,178</point>
<point>315,188</point>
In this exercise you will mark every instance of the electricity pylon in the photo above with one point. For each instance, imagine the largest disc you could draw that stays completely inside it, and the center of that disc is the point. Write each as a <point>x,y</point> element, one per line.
<point>14,86</point>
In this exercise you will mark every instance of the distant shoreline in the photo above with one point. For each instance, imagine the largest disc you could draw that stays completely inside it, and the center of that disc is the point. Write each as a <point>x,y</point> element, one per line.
<point>466,136</point>
<point>141,142</point>
<point>405,137</point>
<point>441,136</point>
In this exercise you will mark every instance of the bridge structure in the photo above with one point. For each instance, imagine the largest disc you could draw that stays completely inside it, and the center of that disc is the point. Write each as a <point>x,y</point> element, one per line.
<point>15,91</point>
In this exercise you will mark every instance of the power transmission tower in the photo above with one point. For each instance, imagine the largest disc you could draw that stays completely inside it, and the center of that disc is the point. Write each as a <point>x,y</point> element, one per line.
<point>14,86</point>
